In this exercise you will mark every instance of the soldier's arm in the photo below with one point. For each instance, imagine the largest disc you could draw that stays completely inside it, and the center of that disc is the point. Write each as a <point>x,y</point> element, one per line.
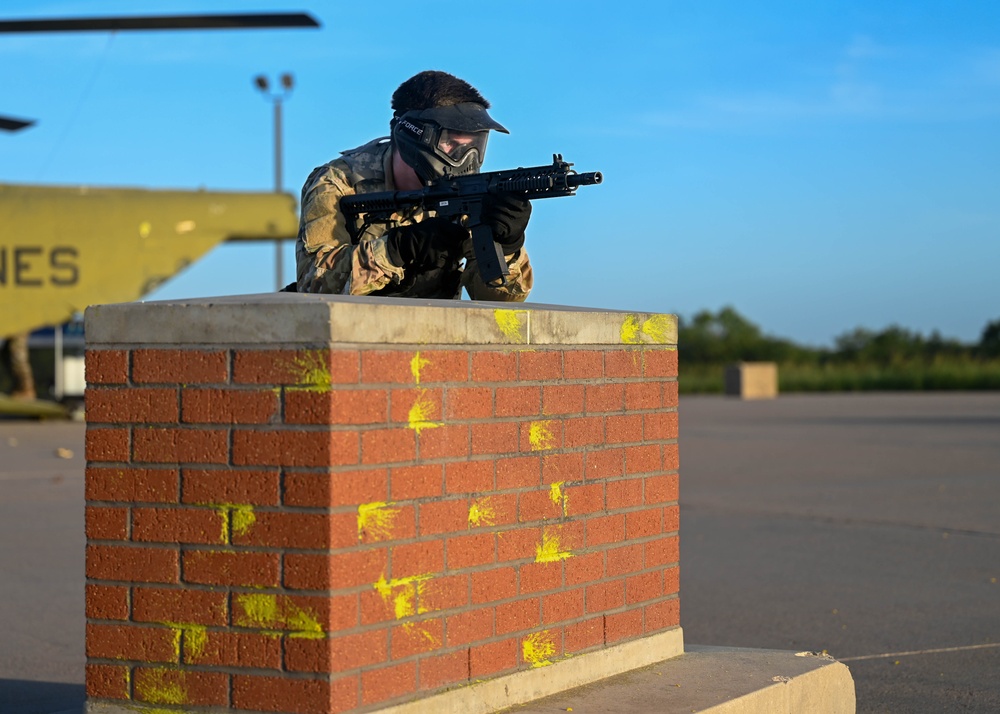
<point>518,285</point>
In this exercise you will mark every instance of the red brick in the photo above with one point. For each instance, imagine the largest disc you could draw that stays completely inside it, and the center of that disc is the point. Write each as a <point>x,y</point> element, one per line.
<point>623,363</point>
<point>107,444</point>
<point>179,525</point>
<point>448,441</point>
<point>624,493</point>
<point>335,572</point>
<point>199,688</point>
<point>295,448</point>
<point>388,682</point>
<point>231,568</point>
<point>642,524</point>
<point>311,531</point>
<point>671,458</point>
<point>538,505</point>
<point>471,550</point>
<point>469,476</point>
<point>562,467</point>
<point>622,626</point>
<point>536,577</point>
<point>170,366</point>
<point>247,650</point>
<point>416,638</point>
<point>228,485</point>
<point>445,593</point>
<point>581,636</point>
<point>294,696</point>
<point>131,642</point>
<point>106,681</point>
<point>384,366</point>
<point>627,559</point>
<point>539,365</point>
<point>643,587</point>
<point>228,406</point>
<point>659,426</point>
<point>671,581</point>
<point>374,609</point>
<point>443,366</point>
<point>132,485</point>
<point>338,406</point>
<point>338,654</point>
<point>518,544</point>
<point>438,517</point>
<point>181,446</point>
<point>469,626</point>
<point>410,559</point>
<point>107,602</point>
<point>490,366</point>
<point>661,489</point>
<point>669,397</point>
<point>411,482</point>
<point>493,658</point>
<point>671,519</point>
<point>562,606</point>
<point>517,401</point>
<point>495,438</point>
<point>199,607</point>
<point>584,431</point>
<point>642,395</point>
<point>416,405</point>
<point>623,429</point>
<point>542,435</point>
<point>493,510</point>
<point>584,499</point>
<point>385,522</point>
<point>106,366</point>
<point>562,399</point>
<point>468,403</point>
<point>605,529</point>
<point>387,446</point>
<point>587,568</point>
<point>337,488</point>
<point>131,404</point>
<point>660,363</point>
<point>583,364</point>
<point>493,585</point>
<point>317,368</point>
<point>642,459</point>
<point>605,596</point>
<point>445,669</point>
<point>662,615</point>
<point>605,464</point>
<point>662,551</point>
<point>106,523</point>
<point>140,565</point>
<point>603,398</point>
<point>518,472</point>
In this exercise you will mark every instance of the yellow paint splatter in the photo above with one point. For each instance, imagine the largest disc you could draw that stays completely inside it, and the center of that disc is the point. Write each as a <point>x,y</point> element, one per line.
<point>511,325</point>
<point>557,496</point>
<point>631,330</point>
<point>269,613</point>
<point>237,518</point>
<point>419,630</point>
<point>538,649</point>
<point>311,371</point>
<point>482,513</point>
<point>162,686</point>
<point>550,549</point>
<point>540,435</point>
<point>657,329</point>
<point>376,520</point>
<point>421,412</point>
<point>417,364</point>
<point>405,594</point>
<point>195,637</point>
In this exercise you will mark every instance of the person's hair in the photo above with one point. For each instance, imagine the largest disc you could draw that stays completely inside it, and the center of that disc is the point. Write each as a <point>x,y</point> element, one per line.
<point>433,89</point>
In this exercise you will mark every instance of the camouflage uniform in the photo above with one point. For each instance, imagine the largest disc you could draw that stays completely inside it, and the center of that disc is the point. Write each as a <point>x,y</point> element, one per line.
<point>326,262</point>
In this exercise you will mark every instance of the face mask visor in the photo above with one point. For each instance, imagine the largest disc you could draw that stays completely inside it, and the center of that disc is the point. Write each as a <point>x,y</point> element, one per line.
<point>455,146</point>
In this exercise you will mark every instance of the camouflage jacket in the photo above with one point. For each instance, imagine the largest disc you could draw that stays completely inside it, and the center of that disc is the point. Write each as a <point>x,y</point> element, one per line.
<point>326,261</point>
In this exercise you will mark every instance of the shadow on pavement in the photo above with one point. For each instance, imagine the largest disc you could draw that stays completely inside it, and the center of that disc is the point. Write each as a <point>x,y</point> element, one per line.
<point>19,696</point>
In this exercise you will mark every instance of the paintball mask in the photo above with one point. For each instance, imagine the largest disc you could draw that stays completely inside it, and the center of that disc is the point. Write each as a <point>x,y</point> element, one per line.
<point>444,140</point>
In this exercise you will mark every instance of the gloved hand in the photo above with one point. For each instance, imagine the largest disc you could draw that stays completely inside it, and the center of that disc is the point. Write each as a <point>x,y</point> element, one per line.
<point>507,216</point>
<point>431,243</point>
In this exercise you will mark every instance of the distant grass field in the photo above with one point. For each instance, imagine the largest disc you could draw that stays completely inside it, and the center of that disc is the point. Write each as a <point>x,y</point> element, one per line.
<point>965,374</point>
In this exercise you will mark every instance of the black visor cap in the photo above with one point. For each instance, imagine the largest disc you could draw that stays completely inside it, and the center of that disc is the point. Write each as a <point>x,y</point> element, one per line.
<point>467,116</point>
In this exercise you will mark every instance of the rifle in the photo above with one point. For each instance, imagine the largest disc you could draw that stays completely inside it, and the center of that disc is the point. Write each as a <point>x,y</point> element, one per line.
<point>462,196</point>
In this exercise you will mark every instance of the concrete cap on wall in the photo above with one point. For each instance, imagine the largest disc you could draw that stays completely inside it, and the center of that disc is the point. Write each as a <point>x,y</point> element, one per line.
<point>318,319</point>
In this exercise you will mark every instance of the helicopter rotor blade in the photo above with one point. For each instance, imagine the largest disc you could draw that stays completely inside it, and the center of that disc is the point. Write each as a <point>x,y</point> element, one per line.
<point>12,124</point>
<point>161,22</point>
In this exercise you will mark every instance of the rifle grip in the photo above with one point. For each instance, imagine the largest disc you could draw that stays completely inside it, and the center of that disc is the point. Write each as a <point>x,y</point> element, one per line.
<point>489,257</point>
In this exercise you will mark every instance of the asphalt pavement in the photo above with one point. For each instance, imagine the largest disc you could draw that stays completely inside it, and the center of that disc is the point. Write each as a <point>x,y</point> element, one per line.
<point>864,525</point>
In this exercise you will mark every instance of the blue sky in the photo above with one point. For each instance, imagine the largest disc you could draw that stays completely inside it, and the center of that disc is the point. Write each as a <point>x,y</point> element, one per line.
<point>819,166</point>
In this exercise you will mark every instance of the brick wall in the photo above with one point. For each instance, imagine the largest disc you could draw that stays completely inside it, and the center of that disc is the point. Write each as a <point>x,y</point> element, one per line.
<point>342,526</point>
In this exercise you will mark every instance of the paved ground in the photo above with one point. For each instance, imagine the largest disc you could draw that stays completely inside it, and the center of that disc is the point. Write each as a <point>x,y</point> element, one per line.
<point>868,526</point>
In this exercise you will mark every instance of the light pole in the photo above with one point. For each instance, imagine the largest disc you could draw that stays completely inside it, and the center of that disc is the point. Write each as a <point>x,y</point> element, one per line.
<point>277,97</point>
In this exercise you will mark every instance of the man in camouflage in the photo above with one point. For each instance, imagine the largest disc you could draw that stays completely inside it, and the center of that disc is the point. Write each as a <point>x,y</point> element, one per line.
<point>440,124</point>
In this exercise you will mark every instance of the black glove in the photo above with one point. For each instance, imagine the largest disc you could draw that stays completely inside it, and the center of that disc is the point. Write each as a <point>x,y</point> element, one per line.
<point>507,216</point>
<point>432,243</point>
